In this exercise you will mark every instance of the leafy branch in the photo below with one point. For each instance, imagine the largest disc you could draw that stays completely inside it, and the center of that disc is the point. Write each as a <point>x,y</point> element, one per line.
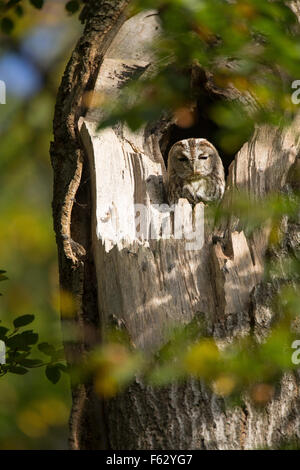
<point>11,10</point>
<point>18,343</point>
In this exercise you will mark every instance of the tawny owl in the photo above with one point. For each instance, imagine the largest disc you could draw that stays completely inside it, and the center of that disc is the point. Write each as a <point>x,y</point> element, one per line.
<point>195,172</point>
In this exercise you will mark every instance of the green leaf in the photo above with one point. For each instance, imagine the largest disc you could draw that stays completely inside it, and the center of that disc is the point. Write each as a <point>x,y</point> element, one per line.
<point>72,6</point>
<point>3,332</point>
<point>23,320</point>
<point>19,11</point>
<point>47,349</point>
<point>17,356</point>
<point>37,3</point>
<point>53,374</point>
<point>30,362</point>
<point>2,276</point>
<point>22,340</point>
<point>18,370</point>
<point>62,367</point>
<point>7,25</point>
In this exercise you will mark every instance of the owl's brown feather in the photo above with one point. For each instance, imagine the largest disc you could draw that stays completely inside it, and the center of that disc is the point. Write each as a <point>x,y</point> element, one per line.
<point>195,172</point>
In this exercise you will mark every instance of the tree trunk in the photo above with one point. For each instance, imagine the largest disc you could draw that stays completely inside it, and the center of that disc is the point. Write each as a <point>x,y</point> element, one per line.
<point>98,178</point>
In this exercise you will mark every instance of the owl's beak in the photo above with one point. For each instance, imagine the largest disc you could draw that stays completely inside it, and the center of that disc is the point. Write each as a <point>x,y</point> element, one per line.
<point>196,171</point>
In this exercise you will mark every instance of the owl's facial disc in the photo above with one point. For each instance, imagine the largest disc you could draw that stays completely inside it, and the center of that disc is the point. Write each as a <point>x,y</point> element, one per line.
<point>203,155</point>
<point>183,165</point>
<point>203,166</point>
<point>182,158</point>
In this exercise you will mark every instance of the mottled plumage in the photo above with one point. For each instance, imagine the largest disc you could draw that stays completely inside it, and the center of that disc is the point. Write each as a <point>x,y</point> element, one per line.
<point>195,172</point>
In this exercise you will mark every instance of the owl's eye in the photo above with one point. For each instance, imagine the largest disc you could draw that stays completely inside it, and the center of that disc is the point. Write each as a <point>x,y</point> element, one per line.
<point>183,159</point>
<point>203,157</point>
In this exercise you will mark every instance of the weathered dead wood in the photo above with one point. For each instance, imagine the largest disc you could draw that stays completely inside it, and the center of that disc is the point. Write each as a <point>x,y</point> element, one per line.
<point>152,285</point>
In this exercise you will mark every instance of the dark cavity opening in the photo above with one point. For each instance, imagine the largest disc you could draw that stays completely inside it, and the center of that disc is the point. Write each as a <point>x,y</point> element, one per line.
<point>203,127</point>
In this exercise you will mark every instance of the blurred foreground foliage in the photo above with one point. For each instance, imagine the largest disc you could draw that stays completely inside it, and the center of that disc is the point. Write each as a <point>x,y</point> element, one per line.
<point>33,411</point>
<point>250,46</point>
<point>12,10</point>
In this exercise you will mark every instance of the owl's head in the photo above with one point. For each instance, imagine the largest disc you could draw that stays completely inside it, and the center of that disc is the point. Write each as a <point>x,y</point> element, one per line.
<point>193,158</point>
